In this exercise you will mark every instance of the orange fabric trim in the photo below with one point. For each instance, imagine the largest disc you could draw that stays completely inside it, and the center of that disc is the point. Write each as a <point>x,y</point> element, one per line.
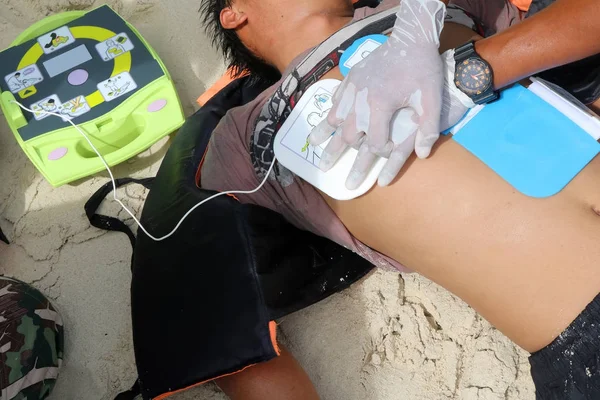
<point>522,5</point>
<point>223,81</point>
<point>273,330</point>
<point>233,197</point>
<point>199,170</point>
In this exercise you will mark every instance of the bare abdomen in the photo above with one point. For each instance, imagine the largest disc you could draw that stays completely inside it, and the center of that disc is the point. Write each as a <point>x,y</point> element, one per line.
<point>529,266</point>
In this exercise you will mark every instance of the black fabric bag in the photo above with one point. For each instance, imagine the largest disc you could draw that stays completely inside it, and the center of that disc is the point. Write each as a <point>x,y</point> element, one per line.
<point>227,273</point>
<point>581,78</point>
<point>204,300</point>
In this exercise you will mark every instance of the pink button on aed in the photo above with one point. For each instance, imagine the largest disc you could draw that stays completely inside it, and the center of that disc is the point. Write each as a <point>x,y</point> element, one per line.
<point>157,105</point>
<point>78,77</point>
<point>58,153</point>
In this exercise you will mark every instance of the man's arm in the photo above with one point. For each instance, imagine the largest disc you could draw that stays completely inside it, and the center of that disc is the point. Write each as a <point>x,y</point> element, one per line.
<point>564,32</point>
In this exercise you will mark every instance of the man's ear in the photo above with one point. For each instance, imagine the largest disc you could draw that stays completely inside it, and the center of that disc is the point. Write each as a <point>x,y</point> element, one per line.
<point>232,19</point>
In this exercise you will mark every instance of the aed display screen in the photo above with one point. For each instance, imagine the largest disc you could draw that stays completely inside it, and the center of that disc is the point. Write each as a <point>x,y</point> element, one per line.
<point>67,61</point>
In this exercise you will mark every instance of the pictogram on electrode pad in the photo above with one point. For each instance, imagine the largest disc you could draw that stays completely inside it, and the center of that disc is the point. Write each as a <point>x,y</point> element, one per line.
<point>293,150</point>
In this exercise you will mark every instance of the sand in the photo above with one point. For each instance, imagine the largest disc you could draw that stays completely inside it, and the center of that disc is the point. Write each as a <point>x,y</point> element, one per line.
<point>389,337</point>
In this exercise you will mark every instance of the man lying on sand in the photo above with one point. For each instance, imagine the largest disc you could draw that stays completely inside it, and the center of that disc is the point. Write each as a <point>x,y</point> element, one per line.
<point>529,266</point>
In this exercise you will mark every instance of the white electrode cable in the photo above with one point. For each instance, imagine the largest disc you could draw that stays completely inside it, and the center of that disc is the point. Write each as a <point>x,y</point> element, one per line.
<point>112,178</point>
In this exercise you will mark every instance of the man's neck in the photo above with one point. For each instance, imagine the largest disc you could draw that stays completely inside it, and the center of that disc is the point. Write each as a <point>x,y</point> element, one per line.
<point>305,32</point>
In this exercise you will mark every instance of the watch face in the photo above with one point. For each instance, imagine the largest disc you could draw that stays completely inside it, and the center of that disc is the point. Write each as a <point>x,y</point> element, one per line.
<point>473,76</point>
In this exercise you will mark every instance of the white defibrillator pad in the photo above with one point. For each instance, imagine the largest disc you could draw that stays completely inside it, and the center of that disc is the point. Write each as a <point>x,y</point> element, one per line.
<point>294,151</point>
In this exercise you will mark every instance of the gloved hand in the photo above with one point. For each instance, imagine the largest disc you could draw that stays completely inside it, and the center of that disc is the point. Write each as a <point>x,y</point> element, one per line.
<point>405,123</point>
<point>406,72</point>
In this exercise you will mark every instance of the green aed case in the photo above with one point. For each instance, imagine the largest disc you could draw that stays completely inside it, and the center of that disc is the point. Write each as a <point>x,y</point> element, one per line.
<point>97,71</point>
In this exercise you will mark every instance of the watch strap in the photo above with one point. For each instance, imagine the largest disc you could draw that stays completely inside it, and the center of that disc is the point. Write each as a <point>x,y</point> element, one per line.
<point>465,52</point>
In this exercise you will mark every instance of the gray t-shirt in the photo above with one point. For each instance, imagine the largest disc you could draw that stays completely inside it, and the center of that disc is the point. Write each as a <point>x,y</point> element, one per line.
<point>495,15</point>
<point>228,166</point>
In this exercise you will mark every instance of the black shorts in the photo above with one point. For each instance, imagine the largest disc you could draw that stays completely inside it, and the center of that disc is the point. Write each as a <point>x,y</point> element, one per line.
<point>569,367</point>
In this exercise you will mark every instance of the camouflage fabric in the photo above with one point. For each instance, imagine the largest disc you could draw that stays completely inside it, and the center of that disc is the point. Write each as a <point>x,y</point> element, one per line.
<point>31,342</point>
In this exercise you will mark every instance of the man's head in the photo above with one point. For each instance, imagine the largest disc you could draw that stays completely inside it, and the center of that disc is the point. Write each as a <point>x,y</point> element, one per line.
<point>224,19</point>
<point>253,34</point>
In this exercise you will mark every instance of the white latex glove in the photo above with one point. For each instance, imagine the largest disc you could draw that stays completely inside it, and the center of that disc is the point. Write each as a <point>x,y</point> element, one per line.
<point>405,72</point>
<point>455,103</point>
<point>405,123</point>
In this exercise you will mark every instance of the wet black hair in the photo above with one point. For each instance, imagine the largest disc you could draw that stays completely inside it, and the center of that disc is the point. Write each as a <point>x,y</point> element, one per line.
<point>236,54</point>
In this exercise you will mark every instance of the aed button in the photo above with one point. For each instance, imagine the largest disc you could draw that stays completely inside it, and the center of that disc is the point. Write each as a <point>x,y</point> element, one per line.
<point>25,93</point>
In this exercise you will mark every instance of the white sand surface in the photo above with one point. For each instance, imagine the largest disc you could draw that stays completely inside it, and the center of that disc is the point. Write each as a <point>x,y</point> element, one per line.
<point>387,338</point>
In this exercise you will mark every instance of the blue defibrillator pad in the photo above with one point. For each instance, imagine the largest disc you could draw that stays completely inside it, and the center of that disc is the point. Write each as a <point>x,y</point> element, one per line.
<point>528,142</point>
